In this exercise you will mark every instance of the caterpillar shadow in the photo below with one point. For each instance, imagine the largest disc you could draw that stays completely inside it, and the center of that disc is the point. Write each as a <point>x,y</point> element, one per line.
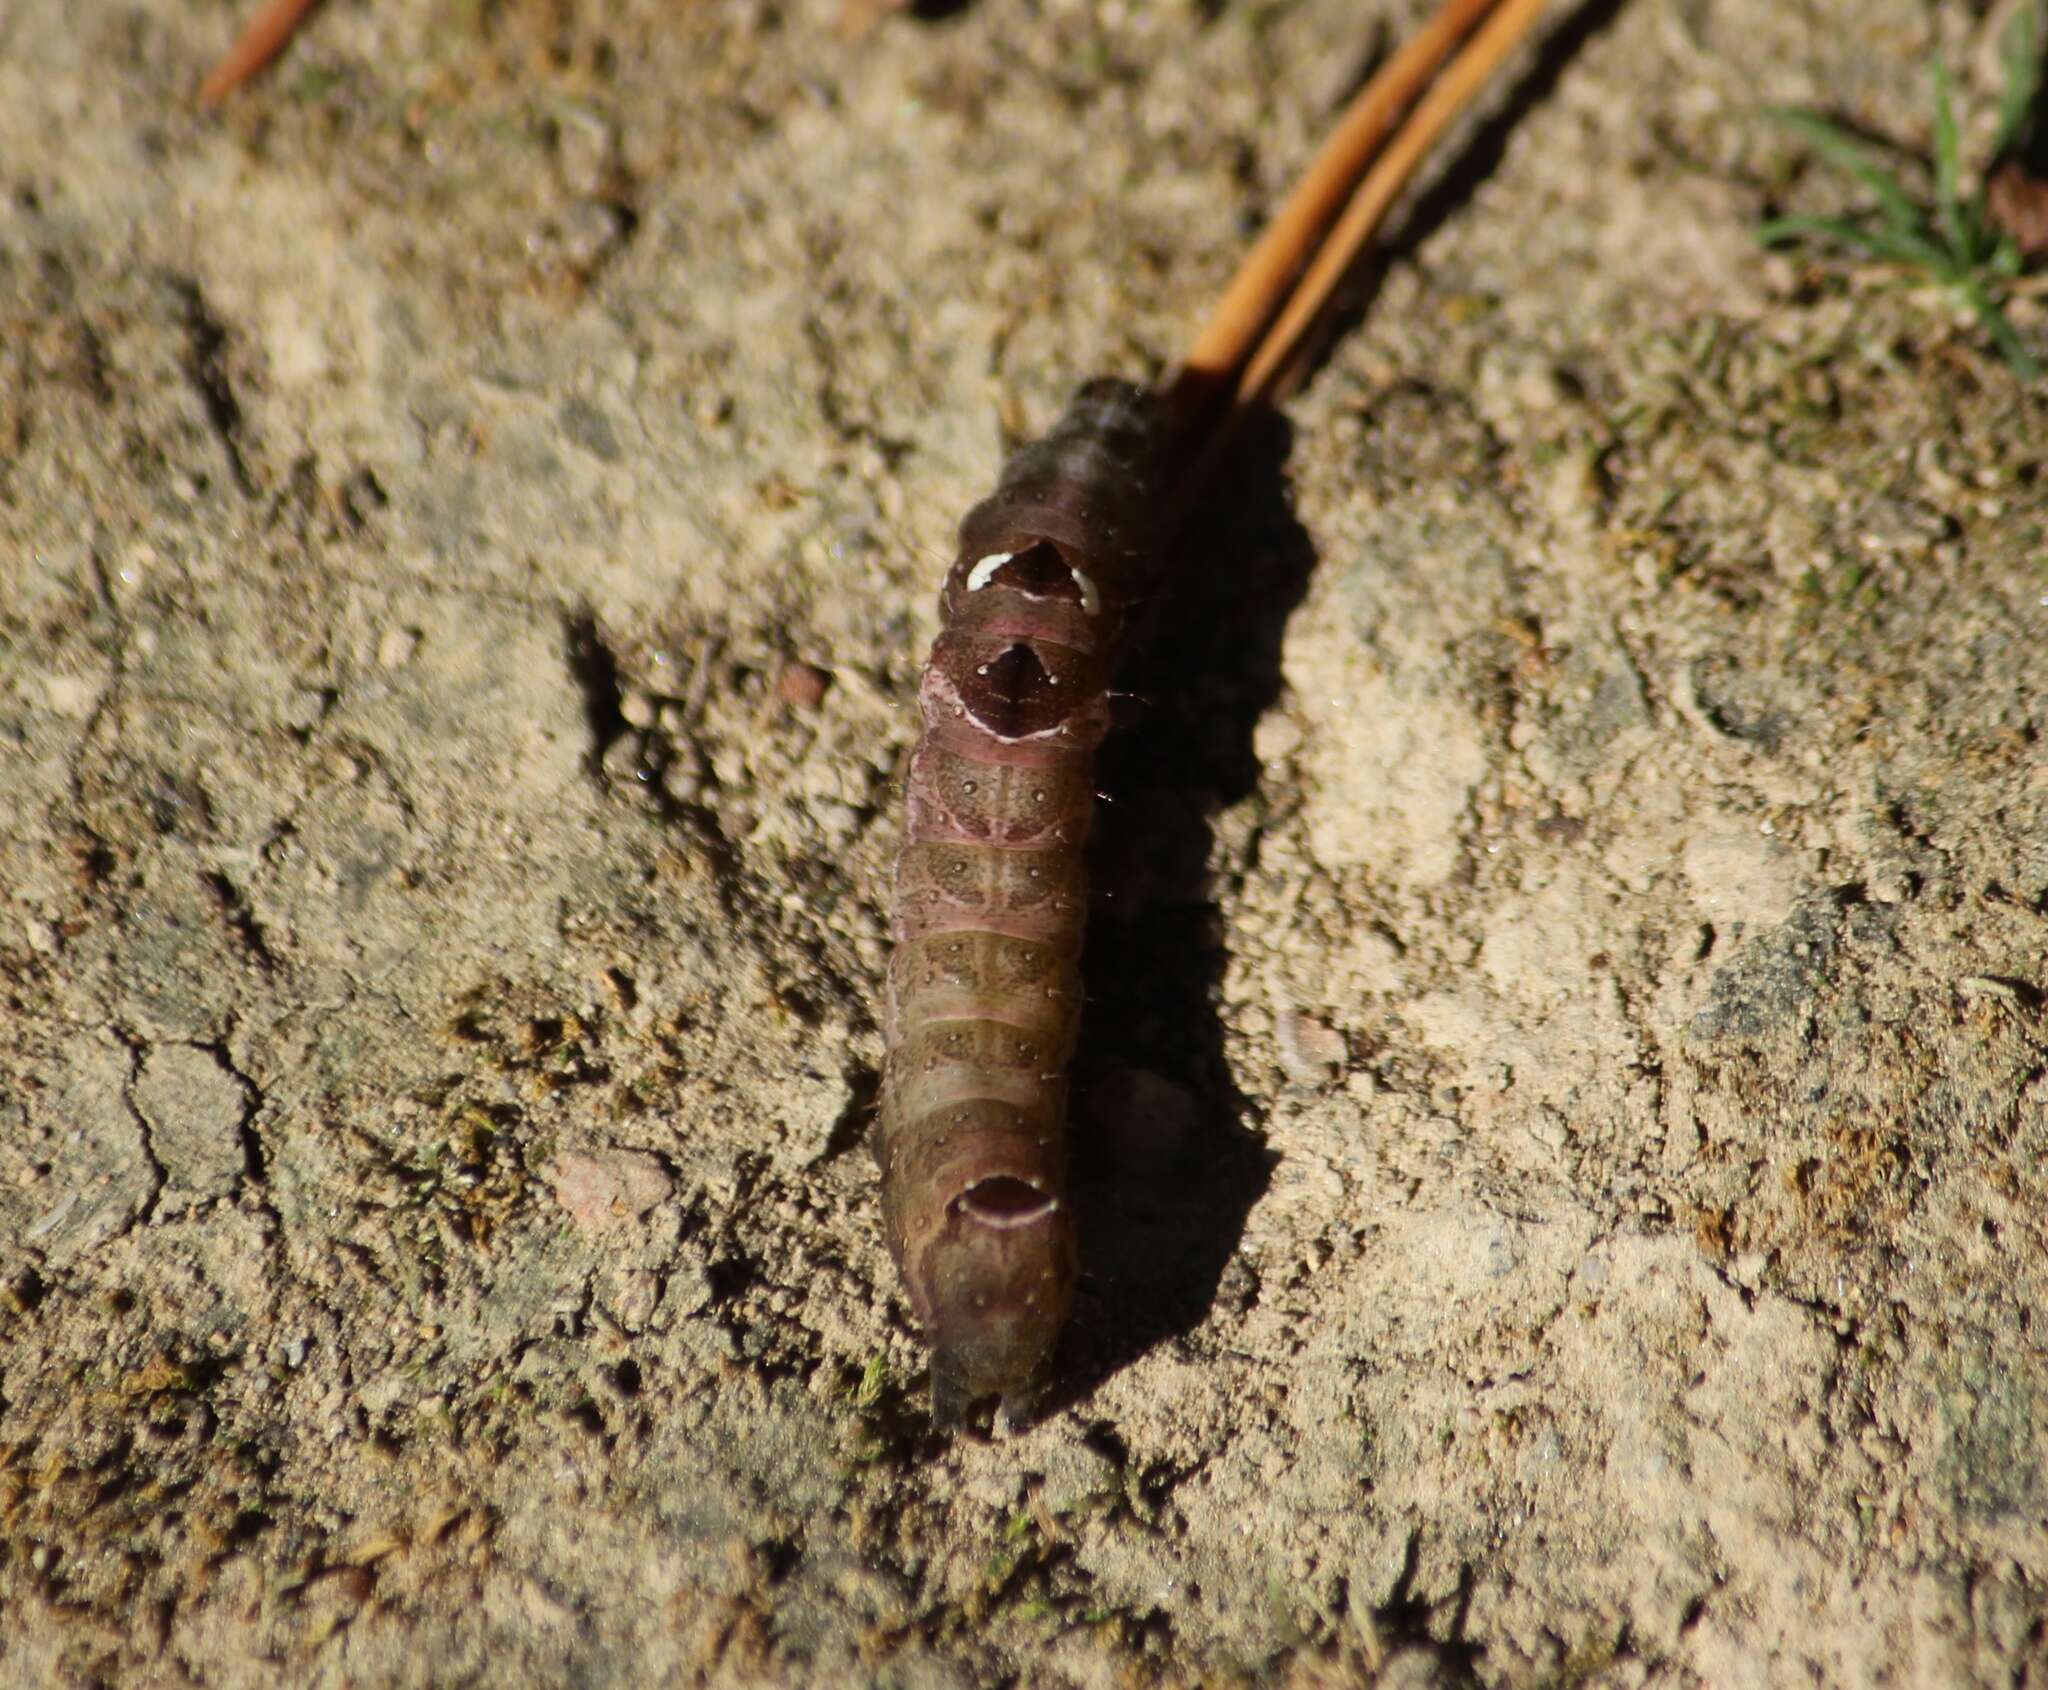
<point>1168,1161</point>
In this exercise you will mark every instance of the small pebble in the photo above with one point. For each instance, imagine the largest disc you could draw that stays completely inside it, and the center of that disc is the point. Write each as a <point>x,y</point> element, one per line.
<point>1311,1052</point>
<point>589,229</point>
<point>682,782</point>
<point>608,1188</point>
<point>802,684</point>
<point>625,760</point>
<point>70,695</point>
<point>305,708</point>
<point>395,649</point>
<point>585,147</point>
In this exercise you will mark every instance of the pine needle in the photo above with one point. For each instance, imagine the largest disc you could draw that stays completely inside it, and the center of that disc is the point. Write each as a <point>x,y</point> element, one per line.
<point>263,37</point>
<point>1256,340</point>
<point>1259,288</point>
<point>1279,353</point>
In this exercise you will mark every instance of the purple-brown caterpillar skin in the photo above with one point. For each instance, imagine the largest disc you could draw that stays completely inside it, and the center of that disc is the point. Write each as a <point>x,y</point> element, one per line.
<point>984,993</point>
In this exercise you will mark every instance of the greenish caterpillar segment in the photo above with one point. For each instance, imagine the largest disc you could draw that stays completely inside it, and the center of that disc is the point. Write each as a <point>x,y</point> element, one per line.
<point>984,990</point>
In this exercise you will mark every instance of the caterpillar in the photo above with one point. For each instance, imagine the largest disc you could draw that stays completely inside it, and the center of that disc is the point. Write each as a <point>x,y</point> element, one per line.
<point>983,998</point>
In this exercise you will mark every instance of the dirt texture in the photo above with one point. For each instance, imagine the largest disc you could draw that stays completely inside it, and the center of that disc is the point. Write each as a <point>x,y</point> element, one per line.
<point>1564,1106</point>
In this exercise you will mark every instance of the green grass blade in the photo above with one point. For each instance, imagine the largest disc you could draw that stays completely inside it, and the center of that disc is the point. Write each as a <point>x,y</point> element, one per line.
<point>1846,152</point>
<point>1953,242</point>
<point>1948,172</point>
<point>1799,226</point>
<point>2018,356</point>
<point>1915,252</point>
<point>2020,49</point>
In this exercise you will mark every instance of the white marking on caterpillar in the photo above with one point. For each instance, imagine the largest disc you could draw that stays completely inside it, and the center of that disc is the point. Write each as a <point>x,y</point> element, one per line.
<point>985,571</point>
<point>1029,1217</point>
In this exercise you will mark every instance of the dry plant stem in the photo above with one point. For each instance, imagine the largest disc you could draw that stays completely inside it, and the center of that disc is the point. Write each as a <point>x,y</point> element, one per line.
<point>1272,366</point>
<point>1258,289</point>
<point>264,37</point>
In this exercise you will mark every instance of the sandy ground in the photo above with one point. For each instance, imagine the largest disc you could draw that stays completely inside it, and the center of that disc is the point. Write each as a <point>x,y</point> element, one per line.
<point>1563,1120</point>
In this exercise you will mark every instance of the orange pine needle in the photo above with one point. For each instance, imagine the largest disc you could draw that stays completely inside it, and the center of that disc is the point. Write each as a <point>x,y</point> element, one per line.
<point>1257,291</point>
<point>1279,352</point>
<point>264,37</point>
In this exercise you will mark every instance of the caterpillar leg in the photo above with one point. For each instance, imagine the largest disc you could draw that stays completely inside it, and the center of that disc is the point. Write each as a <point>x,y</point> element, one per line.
<point>1020,1408</point>
<point>952,1396</point>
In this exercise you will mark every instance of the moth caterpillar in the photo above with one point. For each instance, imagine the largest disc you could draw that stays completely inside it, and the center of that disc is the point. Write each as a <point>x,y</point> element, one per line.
<point>984,991</point>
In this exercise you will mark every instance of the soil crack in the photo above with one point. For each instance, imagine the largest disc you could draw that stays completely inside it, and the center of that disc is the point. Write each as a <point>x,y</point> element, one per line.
<point>206,339</point>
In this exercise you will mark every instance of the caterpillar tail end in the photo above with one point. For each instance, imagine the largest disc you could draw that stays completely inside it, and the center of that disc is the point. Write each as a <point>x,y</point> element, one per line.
<point>993,1293</point>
